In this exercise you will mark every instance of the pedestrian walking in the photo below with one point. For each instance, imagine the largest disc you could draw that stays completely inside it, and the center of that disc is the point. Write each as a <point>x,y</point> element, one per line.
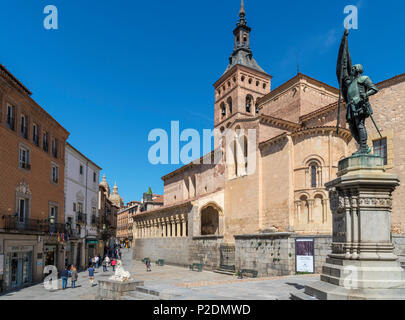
<point>105,265</point>
<point>96,261</point>
<point>113,263</point>
<point>93,262</point>
<point>91,274</point>
<point>65,276</point>
<point>107,259</point>
<point>147,263</point>
<point>74,275</point>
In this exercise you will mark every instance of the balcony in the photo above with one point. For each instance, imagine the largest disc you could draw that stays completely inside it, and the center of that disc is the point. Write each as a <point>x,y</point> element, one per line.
<point>81,217</point>
<point>12,223</point>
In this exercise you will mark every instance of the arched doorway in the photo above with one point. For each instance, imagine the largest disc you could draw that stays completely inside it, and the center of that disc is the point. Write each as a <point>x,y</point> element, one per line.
<point>209,221</point>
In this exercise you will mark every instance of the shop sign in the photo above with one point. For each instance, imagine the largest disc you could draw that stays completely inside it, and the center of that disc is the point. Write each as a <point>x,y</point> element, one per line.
<point>20,249</point>
<point>92,241</point>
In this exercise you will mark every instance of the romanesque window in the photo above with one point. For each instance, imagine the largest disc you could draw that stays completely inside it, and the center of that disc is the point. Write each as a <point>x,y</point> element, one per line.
<point>314,170</point>
<point>209,221</point>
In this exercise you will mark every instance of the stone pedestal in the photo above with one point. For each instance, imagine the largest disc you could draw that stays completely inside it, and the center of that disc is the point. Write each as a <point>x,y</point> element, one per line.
<point>114,290</point>
<point>362,264</point>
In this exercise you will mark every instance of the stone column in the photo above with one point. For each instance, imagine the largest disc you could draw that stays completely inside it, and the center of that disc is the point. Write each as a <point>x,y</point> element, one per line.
<point>164,227</point>
<point>173,226</point>
<point>310,210</point>
<point>169,227</point>
<point>298,210</point>
<point>184,222</point>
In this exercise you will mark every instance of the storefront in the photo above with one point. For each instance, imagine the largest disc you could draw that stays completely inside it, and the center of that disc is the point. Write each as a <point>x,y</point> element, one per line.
<point>50,255</point>
<point>92,247</point>
<point>18,267</point>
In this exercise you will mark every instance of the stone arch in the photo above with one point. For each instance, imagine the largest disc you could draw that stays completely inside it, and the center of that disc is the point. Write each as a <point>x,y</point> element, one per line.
<point>318,214</point>
<point>211,219</point>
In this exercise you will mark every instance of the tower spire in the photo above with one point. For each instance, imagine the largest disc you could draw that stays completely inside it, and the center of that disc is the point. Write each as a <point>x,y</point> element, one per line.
<point>242,10</point>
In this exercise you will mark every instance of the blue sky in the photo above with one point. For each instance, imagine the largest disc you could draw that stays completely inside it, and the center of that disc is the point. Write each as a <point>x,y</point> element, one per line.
<point>115,70</point>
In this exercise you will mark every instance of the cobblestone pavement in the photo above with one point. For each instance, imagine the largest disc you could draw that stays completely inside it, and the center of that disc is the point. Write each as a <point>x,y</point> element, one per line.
<point>175,283</point>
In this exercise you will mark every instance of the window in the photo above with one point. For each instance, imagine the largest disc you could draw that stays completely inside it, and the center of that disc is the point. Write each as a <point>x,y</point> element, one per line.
<point>24,158</point>
<point>74,207</point>
<point>249,100</point>
<point>35,137</point>
<point>55,148</point>
<point>53,213</point>
<point>94,177</point>
<point>81,170</point>
<point>80,207</point>
<point>10,117</point>
<point>23,129</point>
<point>55,173</point>
<point>223,109</point>
<point>380,149</point>
<point>45,141</point>
<point>314,169</point>
<point>22,210</point>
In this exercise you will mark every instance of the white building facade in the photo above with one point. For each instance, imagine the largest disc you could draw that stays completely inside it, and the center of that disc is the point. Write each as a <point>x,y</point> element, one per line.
<point>81,207</point>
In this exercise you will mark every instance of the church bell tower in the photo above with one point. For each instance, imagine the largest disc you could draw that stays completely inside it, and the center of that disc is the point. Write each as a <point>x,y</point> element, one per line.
<point>243,81</point>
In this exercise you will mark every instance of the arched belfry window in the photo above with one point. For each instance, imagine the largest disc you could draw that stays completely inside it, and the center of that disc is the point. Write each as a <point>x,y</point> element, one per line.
<point>229,101</point>
<point>249,101</point>
<point>223,109</point>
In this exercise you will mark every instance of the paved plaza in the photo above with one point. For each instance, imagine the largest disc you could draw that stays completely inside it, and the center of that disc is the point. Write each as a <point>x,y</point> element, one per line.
<point>174,283</point>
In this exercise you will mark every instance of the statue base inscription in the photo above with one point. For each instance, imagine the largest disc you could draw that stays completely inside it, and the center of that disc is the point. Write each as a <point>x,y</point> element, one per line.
<point>362,264</point>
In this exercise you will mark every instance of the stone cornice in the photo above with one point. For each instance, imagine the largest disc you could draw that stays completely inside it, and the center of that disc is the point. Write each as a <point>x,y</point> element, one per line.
<point>284,124</point>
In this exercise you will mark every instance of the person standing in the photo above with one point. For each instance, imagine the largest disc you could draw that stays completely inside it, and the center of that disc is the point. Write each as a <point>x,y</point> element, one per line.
<point>113,263</point>
<point>74,275</point>
<point>96,261</point>
<point>65,276</point>
<point>105,265</point>
<point>107,259</point>
<point>91,274</point>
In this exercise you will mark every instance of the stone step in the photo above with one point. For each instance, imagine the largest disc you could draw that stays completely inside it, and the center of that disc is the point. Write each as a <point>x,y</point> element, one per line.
<point>302,296</point>
<point>136,295</point>
<point>224,271</point>
<point>146,290</point>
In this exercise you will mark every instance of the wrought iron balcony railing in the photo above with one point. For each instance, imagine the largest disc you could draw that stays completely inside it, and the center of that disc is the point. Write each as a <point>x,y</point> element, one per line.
<point>14,223</point>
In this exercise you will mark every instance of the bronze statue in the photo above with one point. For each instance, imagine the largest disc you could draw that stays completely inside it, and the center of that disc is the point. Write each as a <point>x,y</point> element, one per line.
<point>356,89</point>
